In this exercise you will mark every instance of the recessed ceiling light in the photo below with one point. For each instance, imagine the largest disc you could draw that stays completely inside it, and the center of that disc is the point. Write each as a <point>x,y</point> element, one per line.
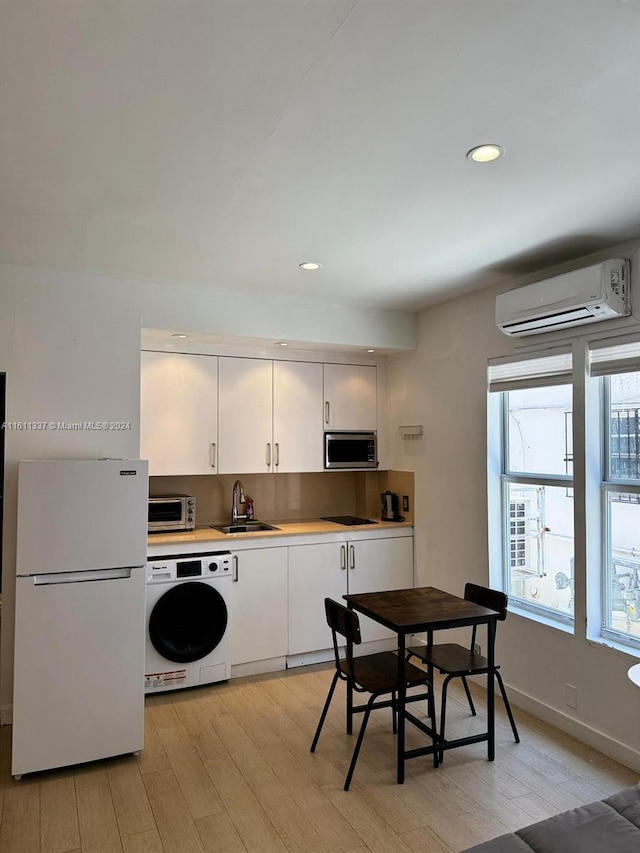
<point>310,265</point>
<point>369,350</point>
<point>178,336</point>
<point>282,344</point>
<point>485,153</point>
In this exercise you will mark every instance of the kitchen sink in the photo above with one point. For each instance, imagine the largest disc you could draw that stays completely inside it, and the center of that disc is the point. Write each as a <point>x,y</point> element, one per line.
<point>247,527</point>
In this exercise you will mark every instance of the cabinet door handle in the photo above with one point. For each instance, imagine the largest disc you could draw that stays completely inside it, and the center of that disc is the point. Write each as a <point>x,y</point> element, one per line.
<point>236,573</point>
<point>343,557</point>
<point>326,412</point>
<point>213,454</point>
<point>352,549</point>
<point>277,454</point>
<point>268,454</point>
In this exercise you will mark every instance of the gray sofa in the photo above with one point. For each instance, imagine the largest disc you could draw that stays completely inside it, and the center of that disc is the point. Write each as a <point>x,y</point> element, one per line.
<point>609,826</point>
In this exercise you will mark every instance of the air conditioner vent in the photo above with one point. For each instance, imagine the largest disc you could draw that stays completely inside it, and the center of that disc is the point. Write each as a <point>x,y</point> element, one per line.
<point>587,295</point>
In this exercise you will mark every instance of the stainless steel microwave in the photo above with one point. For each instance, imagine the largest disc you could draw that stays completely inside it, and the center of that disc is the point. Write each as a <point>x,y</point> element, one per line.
<point>172,512</point>
<point>350,450</point>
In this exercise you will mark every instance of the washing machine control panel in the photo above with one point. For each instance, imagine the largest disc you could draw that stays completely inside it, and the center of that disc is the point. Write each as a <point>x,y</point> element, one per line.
<point>185,566</point>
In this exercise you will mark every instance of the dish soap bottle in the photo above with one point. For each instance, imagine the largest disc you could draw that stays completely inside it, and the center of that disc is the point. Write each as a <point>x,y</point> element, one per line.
<point>248,508</point>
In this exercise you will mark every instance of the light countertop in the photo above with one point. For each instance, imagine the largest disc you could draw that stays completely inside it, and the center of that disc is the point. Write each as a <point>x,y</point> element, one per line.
<point>285,528</point>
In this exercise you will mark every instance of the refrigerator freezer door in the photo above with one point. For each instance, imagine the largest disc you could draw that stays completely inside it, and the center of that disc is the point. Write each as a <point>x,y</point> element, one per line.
<point>81,514</point>
<point>79,671</point>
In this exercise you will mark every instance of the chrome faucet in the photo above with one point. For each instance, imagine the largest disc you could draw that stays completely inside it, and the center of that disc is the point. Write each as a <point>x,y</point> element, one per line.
<point>238,497</point>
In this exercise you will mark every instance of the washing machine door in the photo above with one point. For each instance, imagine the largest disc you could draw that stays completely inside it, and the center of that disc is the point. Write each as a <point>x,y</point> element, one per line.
<point>188,622</point>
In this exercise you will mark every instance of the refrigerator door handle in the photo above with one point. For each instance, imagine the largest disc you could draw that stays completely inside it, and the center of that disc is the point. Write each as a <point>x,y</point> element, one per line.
<point>81,577</point>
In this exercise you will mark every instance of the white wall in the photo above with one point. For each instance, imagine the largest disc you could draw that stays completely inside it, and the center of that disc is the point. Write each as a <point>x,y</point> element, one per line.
<point>71,352</point>
<point>70,346</point>
<point>443,385</point>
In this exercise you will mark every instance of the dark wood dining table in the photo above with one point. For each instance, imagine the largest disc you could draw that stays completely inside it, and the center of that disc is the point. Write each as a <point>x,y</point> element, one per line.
<point>427,609</point>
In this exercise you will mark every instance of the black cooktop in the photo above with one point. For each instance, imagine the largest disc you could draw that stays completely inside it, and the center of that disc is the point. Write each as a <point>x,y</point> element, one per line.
<point>348,520</point>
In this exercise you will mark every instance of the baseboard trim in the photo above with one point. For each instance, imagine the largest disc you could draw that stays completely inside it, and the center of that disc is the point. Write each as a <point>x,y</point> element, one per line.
<point>308,658</point>
<point>258,667</point>
<point>581,731</point>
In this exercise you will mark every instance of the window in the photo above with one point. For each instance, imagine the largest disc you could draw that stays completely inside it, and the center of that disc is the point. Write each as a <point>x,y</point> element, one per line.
<point>532,455</point>
<point>536,495</point>
<point>621,506</point>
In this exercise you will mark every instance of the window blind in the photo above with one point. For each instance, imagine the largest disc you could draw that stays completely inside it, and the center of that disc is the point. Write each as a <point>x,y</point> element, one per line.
<point>606,358</point>
<point>530,372</point>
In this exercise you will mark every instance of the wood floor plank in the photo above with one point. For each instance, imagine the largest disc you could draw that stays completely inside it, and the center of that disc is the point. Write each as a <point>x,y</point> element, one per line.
<point>424,840</point>
<point>248,816</point>
<point>161,711</point>
<point>90,774</point>
<point>143,842</point>
<point>98,826</point>
<point>195,717</point>
<point>25,789</point>
<point>219,835</point>
<point>258,774</point>
<point>231,732</point>
<point>193,779</point>
<point>176,827</point>
<point>153,757</point>
<point>309,798</point>
<point>369,826</point>
<point>20,830</point>
<point>130,801</point>
<point>232,787</point>
<point>59,826</point>
<point>293,827</point>
<point>257,832</point>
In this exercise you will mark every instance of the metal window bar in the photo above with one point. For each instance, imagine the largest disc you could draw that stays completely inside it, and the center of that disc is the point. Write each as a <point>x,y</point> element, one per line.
<point>624,444</point>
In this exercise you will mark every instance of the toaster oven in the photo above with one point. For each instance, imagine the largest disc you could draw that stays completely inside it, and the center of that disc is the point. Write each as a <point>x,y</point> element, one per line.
<point>171,513</point>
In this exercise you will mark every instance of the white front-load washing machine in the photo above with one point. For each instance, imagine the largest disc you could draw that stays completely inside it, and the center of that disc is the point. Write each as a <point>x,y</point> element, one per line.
<point>188,618</point>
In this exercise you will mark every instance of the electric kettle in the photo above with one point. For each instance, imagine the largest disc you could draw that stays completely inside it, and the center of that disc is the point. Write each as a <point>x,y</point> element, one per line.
<point>390,507</point>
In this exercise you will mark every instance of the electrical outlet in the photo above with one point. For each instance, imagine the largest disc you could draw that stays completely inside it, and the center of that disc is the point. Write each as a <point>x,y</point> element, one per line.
<point>477,649</point>
<point>405,503</point>
<point>571,696</point>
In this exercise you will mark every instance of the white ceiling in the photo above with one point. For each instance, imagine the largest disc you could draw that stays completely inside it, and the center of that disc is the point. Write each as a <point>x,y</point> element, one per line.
<point>219,143</point>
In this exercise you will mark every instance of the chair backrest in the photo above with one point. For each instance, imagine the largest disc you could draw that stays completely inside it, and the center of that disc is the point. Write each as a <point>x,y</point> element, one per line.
<point>342,621</point>
<point>345,622</point>
<point>485,597</point>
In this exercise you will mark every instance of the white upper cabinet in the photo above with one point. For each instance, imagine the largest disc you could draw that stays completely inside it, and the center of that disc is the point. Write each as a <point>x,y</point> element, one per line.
<point>246,416</point>
<point>270,416</point>
<point>350,397</point>
<point>178,415</point>
<point>297,416</point>
<point>205,414</point>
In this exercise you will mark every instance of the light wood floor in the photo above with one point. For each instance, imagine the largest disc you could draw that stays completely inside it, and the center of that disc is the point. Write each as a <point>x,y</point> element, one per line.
<point>227,769</point>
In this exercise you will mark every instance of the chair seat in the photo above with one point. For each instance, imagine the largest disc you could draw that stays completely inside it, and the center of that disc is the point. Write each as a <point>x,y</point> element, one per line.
<point>451,658</point>
<point>378,673</point>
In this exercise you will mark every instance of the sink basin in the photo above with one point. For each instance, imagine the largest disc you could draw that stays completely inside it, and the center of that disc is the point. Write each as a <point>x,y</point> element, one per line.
<point>247,527</point>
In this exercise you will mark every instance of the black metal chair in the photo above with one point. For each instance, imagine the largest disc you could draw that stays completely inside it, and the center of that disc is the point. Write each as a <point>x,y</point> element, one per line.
<point>376,674</point>
<point>456,661</point>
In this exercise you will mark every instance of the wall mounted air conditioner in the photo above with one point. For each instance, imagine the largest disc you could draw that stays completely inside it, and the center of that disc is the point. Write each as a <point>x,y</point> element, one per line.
<point>582,296</point>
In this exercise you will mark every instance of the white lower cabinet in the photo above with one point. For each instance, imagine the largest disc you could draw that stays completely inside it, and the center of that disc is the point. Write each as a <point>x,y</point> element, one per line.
<point>334,569</point>
<point>259,618</point>
<point>316,572</point>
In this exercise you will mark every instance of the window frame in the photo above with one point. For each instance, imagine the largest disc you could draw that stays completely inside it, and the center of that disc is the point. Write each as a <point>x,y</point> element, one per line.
<point>525,478</point>
<point>609,486</point>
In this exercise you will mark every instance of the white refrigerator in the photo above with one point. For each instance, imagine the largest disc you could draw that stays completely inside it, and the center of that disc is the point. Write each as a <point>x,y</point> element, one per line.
<point>80,613</point>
